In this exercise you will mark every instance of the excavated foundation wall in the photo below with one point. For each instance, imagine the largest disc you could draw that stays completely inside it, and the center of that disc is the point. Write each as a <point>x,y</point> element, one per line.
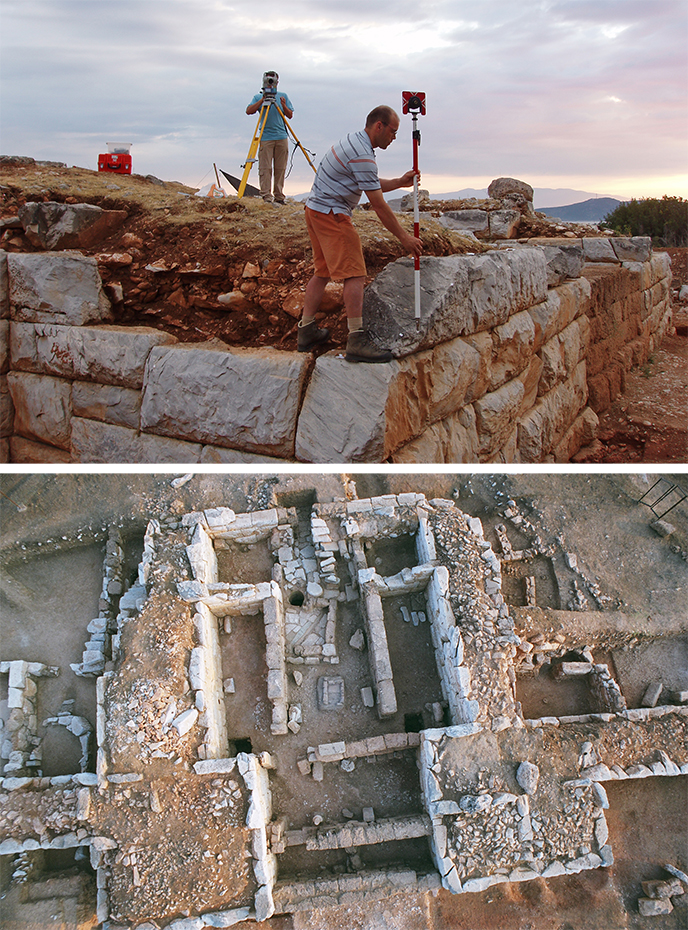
<point>543,346</point>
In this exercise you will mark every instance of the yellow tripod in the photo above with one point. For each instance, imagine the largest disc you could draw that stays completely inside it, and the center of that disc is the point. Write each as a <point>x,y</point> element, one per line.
<point>255,142</point>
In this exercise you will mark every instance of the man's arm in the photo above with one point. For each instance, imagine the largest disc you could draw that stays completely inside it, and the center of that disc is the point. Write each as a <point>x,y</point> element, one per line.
<point>254,107</point>
<point>284,108</point>
<point>389,221</point>
<point>393,184</point>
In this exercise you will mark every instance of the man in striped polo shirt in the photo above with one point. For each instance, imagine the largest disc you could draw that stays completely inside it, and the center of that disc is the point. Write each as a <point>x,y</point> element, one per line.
<point>349,169</point>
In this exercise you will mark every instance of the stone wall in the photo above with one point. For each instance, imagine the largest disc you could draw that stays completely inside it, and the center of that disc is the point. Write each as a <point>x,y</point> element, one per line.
<point>519,349</point>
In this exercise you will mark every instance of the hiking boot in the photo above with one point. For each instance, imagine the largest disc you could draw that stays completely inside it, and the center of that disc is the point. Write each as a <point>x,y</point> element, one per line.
<point>310,336</point>
<point>360,347</point>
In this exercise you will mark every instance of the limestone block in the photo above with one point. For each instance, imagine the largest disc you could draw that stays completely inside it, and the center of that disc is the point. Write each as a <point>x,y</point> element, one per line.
<point>453,439</point>
<point>504,223</point>
<point>632,249</point>
<point>561,306</point>
<point>495,415</point>
<point>660,266</point>
<point>226,918</point>
<point>530,379</point>
<point>548,422</point>
<point>652,907</point>
<point>68,226</point>
<point>386,699</point>
<point>57,287</point>
<point>96,442</point>
<point>460,295</point>
<point>474,221</point>
<point>263,903</point>
<point>42,408</point>
<point>4,287</point>
<point>581,433</point>
<point>6,408</point>
<point>25,452</point>
<point>599,250</point>
<point>107,354</point>
<point>244,398</point>
<point>4,346</point>
<point>107,402</point>
<point>513,347</point>
<point>563,262</point>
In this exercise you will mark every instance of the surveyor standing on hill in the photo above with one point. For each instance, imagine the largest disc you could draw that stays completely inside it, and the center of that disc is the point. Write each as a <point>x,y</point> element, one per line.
<point>274,145</point>
<point>349,169</point>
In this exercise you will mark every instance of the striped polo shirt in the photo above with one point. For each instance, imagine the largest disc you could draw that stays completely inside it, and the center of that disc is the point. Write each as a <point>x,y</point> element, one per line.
<point>348,169</point>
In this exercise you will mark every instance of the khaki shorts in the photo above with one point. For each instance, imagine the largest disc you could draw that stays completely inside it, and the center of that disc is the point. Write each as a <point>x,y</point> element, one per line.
<point>337,251</point>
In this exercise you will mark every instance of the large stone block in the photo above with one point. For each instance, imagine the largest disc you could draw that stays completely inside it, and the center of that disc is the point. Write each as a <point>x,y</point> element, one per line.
<point>513,348</point>
<point>68,226</point>
<point>562,305</point>
<point>26,452</point>
<point>496,413</point>
<point>504,223</point>
<point>107,354</point>
<point>563,262</point>
<point>632,249</point>
<point>472,221</point>
<point>6,408</point>
<point>4,346</point>
<point>553,368</point>
<point>460,295</point>
<point>599,250</point>
<point>247,399</point>
<point>4,287</point>
<point>452,440</point>
<point>42,408</point>
<point>547,423</point>
<point>94,442</point>
<point>56,287</point>
<point>121,406</point>
<point>363,413</point>
<point>217,455</point>
<point>581,433</point>
<point>660,266</point>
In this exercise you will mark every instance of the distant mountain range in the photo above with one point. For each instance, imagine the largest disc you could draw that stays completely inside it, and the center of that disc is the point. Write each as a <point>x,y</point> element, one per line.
<point>589,211</point>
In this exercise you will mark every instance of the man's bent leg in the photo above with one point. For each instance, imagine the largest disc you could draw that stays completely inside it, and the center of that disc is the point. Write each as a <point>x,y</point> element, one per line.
<point>359,346</point>
<point>353,300</point>
<point>314,294</point>
<point>308,334</point>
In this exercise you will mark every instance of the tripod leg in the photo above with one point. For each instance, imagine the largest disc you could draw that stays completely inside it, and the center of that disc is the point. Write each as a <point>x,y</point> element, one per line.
<point>295,138</point>
<point>255,142</point>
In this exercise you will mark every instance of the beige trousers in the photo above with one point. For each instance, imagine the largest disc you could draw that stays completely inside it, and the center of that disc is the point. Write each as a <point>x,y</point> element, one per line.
<point>273,151</point>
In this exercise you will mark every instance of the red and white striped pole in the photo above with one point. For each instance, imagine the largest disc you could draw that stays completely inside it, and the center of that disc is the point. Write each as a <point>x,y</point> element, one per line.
<point>414,103</point>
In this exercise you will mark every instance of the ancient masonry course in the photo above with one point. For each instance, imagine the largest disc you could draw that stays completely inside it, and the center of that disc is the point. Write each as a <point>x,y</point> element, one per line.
<point>385,749</point>
<point>518,350</point>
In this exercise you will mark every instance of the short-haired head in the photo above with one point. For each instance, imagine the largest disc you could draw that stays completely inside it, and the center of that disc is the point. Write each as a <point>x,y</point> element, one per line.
<point>381,114</point>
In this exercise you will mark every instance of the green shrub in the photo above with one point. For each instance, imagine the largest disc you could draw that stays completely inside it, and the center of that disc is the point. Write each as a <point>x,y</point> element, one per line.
<point>665,220</point>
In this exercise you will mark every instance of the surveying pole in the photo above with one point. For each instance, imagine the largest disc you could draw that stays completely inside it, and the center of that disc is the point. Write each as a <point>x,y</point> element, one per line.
<point>269,100</point>
<point>413,102</point>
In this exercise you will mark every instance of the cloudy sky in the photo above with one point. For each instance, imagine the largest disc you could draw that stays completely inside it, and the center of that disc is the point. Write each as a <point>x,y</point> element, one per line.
<point>582,94</point>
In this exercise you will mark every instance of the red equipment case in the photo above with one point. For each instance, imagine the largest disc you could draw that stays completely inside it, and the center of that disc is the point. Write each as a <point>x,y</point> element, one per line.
<point>116,164</point>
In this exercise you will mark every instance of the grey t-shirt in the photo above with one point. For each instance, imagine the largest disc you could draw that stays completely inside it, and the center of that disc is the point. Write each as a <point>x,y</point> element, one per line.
<point>348,169</point>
